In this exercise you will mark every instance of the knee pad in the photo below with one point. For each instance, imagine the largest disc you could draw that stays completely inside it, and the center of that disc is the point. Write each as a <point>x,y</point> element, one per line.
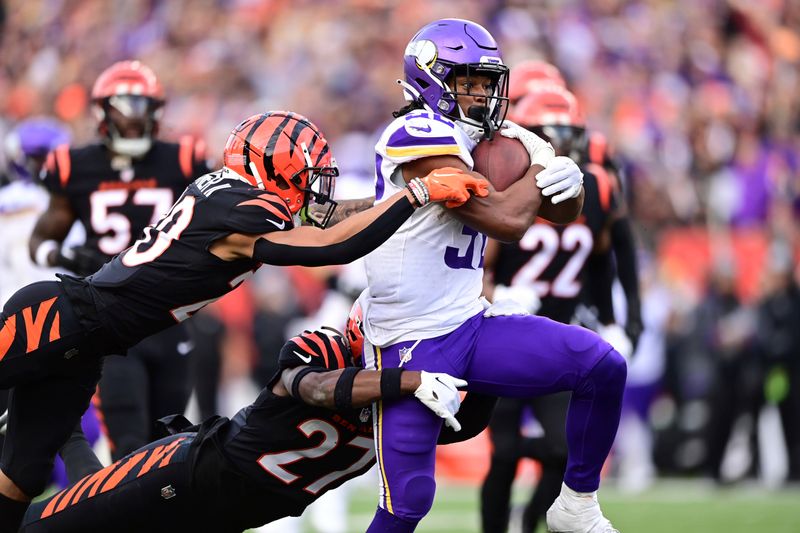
<point>610,372</point>
<point>418,496</point>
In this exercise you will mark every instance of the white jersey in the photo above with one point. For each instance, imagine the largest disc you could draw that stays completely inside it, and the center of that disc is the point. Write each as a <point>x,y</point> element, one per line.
<point>21,203</point>
<point>426,279</point>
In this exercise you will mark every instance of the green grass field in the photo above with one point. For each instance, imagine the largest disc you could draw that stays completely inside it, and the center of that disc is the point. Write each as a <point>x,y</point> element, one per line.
<point>669,507</point>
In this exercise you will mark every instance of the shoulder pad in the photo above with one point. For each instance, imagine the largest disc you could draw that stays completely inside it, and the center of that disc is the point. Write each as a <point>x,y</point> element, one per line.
<point>423,134</point>
<point>258,212</point>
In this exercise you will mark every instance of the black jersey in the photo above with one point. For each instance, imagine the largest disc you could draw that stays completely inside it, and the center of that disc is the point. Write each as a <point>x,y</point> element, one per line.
<point>169,273</point>
<point>270,461</point>
<point>116,198</point>
<point>286,454</point>
<point>552,258</point>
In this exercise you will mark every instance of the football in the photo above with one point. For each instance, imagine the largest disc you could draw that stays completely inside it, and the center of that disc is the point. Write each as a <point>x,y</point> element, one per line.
<point>502,161</point>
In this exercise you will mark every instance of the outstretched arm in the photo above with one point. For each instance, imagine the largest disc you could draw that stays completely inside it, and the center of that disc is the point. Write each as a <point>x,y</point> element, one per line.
<point>503,215</point>
<point>352,387</point>
<point>341,244</point>
<point>344,210</point>
<point>318,388</point>
<point>356,236</point>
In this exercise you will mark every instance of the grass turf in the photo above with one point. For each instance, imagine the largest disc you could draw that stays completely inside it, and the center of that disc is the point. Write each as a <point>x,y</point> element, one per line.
<point>668,507</point>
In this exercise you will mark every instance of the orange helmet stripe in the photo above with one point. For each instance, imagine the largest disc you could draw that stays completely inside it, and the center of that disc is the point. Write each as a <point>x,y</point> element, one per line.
<point>261,201</point>
<point>301,342</point>
<point>338,353</point>
<point>319,342</point>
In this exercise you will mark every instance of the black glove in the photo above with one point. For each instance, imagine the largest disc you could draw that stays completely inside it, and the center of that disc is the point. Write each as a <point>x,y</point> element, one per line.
<point>82,260</point>
<point>634,326</point>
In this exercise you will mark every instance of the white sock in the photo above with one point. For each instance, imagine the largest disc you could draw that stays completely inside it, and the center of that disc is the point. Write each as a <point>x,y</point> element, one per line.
<point>578,497</point>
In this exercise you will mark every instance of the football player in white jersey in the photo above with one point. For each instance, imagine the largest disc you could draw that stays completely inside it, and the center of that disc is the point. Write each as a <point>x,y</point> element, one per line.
<point>422,309</point>
<point>23,199</point>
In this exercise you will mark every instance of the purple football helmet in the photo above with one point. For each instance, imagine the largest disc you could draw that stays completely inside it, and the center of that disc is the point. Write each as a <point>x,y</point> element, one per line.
<point>450,47</point>
<point>28,144</point>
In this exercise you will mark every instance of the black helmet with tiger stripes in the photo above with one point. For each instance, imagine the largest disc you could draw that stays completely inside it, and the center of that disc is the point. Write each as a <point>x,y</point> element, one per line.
<point>325,348</point>
<point>285,153</point>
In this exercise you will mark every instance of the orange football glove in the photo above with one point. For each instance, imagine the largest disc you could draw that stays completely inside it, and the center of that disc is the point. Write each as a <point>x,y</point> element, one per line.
<point>452,186</point>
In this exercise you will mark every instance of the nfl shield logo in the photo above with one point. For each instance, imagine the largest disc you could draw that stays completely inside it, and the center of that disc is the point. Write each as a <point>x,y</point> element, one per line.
<point>405,355</point>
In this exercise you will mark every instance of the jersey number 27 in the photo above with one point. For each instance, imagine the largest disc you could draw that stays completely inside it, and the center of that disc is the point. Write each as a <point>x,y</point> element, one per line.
<point>274,463</point>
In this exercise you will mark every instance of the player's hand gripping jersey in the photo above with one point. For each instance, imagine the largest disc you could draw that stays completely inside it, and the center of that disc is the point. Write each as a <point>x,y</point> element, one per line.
<point>271,460</point>
<point>405,290</point>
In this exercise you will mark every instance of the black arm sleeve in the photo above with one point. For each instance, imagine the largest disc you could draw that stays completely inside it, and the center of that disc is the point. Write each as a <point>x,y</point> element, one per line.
<point>340,253</point>
<point>625,252</point>
<point>474,415</point>
<point>600,277</point>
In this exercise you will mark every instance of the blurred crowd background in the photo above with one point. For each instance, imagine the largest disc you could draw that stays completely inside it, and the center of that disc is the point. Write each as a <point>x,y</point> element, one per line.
<point>700,102</point>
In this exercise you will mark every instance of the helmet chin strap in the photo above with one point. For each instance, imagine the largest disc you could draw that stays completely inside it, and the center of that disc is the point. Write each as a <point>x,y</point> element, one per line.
<point>480,113</point>
<point>409,92</point>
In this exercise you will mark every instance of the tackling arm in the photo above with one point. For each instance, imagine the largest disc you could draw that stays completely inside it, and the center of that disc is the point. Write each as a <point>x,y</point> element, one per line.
<point>317,388</point>
<point>359,234</point>
<point>502,215</point>
<point>344,210</point>
<point>353,387</point>
<point>341,244</point>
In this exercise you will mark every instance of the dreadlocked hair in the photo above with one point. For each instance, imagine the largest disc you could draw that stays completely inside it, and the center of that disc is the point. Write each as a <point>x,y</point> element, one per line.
<point>412,106</point>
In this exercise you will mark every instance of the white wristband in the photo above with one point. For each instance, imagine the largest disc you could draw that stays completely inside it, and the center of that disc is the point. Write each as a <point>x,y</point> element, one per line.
<point>43,252</point>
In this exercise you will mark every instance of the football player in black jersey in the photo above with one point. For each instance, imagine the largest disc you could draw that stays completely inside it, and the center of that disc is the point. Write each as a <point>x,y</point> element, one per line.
<point>271,460</point>
<point>223,227</point>
<point>592,147</point>
<point>547,270</point>
<point>116,187</point>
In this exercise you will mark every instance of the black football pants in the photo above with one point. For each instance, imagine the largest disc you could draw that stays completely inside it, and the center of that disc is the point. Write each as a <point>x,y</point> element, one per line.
<point>509,447</point>
<point>151,382</point>
<point>149,490</point>
<point>51,365</point>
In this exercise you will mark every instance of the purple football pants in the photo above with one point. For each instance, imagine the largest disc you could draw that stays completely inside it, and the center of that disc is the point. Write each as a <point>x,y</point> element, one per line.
<point>515,356</point>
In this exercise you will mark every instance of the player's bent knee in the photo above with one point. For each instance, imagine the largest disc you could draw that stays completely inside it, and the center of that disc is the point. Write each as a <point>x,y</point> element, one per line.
<point>612,370</point>
<point>418,496</point>
<point>32,479</point>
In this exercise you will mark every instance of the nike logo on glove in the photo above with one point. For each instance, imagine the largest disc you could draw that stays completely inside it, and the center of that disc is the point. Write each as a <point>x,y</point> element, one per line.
<point>279,226</point>
<point>442,382</point>
<point>304,358</point>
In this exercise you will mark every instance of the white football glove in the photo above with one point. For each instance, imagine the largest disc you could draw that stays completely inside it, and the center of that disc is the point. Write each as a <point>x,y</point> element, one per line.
<point>525,295</point>
<point>561,179</point>
<point>539,150</point>
<point>439,393</point>
<point>614,334</point>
